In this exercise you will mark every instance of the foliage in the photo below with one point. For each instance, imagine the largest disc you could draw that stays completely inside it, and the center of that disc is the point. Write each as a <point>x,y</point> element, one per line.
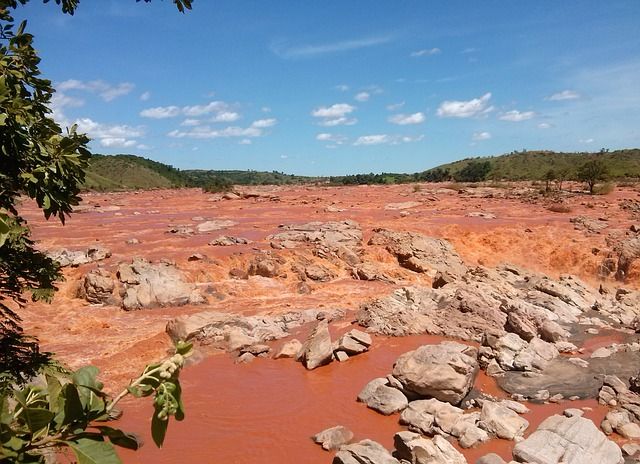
<point>217,185</point>
<point>434,175</point>
<point>128,172</point>
<point>604,189</point>
<point>591,172</point>
<point>475,171</point>
<point>71,410</point>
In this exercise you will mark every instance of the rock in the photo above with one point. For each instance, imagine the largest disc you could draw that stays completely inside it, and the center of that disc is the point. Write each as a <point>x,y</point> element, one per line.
<point>341,356</point>
<point>422,414</point>
<point>588,224</point>
<point>354,342</point>
<point>552,332</point>
<point>402,205</point>
<point>334,437</point>
<point>515,406</point>
<point>414,448</point>
<point>256,350</point>
<point>601,352</point>
<point>228,240</point>
<point>245,358</point>
<point>317,350</point>
<point>318,273</point>
<point>66,257</point>
<point>481,214</point>
<point>491,458</point>
<point>445,371</point>
<point>370,388</point>
<point>98,286</point>
<point>370,272</point>
<point>521,325</point>
<point>289,349</point>
<point>264,266</point>
<point>573,412</point>
<point>630,449</point>
<point>147,285</point>
<point>420,253</point>
<point>570,440</point>
<point>209,226</point>
<point>614,382</point>
<point>386,400</point>
<point>630,431</point>
<point>607,395</point>
<point>502,421</point>
<point>473,436</point>
<point>196,257</point>
<point>364,452</point>
<point>418,416</point>
<point>237,338</point>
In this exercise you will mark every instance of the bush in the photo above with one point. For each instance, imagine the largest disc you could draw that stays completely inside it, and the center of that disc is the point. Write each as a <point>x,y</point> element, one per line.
<point>559,208</point>
<point>475,171</point>
<point>218,185</point>
<point>604,189</point>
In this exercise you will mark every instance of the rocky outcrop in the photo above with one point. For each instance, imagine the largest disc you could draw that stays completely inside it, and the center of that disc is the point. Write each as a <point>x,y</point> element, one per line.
<point>317,350</point>
<point>420,253</point>
<point>229,240</point>
<point>265,266</point>
<point>75,258</point>
<point>513,353</point>
<point>217,224</point>
<point>98,287</point>
<point>338,240</point>
<point>567,440</point>
<point>364,452</point>
<point>445,371</point>
<point>148,285</point>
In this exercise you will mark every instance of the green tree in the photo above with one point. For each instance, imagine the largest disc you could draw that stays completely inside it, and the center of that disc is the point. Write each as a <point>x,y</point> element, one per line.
<point>549,177</point>
<point>41,161</point>
<point>475,171</point>
<point>592,172</point>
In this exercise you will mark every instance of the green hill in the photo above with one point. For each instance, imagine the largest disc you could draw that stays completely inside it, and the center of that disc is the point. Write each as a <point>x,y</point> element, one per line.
<point>126,172</point>
<point>533,165</point>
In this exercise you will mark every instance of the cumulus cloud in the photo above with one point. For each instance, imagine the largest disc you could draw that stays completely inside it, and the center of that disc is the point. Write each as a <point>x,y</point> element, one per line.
<point>516,116</point>
<point>284,50</point>
<point>61,101</point>
<point>161,112</point>
<point>465,109</point>
<point>264,123</point>
<point>105,90</point>
<point>564,95</point>
<point>335,115</point>
<point>590,140</point>
<point>363,96</point>
<point>426,52</point>
<point>395,106</point>
<point>342,87</point>
<point>405,119</point>
<point>332,138</point>
<point>479,136</point>
<point>225,116</point>
<point>117,135</point>
<point>208,132</point>
<point>386,139</point>
<point>145,96</point>
<point>220,110</point>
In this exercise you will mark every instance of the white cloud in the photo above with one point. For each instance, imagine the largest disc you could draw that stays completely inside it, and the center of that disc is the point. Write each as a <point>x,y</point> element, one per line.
<point>207,132</point>
<point>106,91</point>
<point>60,101</point>
<point>161,112</point>
<point>264,123</point>
<point>145,96</point>
<point>333,138</point>
<point>586,140</point>
<point>284,156</point>
<point>342,87</point>
<point>544,125</point>
<point>283,50</point>
<point>426,52</point>
<point>265,109</point>
<point>479,136</point>
<point>386,139</point>
<point>564,95</point>
<point>199,110</point>
<point>516,116</point>
<point>405,119</point>
<point>225,116</point>
<point>469,50</point>
<point>117,135</point>
<point>395,106</point>
<point>191,122</point>
<point>245,142</point>
<point>465,109</point>
<point>363,96</point>
<point>335,115</point>
<point>142,146</point>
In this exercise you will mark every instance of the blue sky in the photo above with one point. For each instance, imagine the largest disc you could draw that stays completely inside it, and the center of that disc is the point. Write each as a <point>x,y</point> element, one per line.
<point>338,87</point>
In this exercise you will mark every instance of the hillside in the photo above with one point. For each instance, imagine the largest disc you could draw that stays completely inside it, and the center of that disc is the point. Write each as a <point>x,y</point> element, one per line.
<point>126,172</point>
<point>532,165</point>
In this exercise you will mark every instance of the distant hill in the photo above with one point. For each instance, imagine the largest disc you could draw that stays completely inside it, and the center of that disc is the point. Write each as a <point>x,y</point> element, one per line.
<point>533,165</point>
<point>128,172</point>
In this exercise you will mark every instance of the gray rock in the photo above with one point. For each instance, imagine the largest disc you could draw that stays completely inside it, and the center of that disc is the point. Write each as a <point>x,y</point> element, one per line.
<point>491,458</point>
<point>317,349</point>
<point>369,389</point>
<point>445,371</point>
<point>364,452</point>
<point>418,417</point>
<point>66,257</point>
<point>334,437</point>
<point>387,400</point>
<point>570,440</point>
<point>502,421</point>
<point>98,286</point>
<point>415,448</point>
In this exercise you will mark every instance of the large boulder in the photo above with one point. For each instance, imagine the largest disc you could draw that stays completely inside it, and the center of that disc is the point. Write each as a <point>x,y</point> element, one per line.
<point>334,437</point>
<point>317,349</point>
<point>420,253</point>
<point>414,448</point>
<point>147,285</point>
<point>364,452</point>
<point>98,286</point>
<point>567,440</point>
<point>386,400</point>
<point>445,371</point>
<point>502,421</point>
<point>75,258</point>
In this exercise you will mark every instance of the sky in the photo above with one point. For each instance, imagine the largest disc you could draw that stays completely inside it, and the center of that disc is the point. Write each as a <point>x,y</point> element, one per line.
<point>341,87</point>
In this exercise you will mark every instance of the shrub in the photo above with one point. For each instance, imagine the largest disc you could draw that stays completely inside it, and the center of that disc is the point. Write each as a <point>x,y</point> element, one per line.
<point>559,208</point>
<point>218,185</point>
<point>475,171</point>
<point>604,189</point>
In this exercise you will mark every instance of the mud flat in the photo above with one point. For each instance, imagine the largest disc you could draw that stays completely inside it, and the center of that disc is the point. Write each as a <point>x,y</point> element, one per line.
<point>547,301</point>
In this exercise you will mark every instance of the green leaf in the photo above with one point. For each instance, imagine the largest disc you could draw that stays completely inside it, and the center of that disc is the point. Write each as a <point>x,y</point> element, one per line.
<point>158,428</point>
<point>36,418</point>
<point>73,410</point>
<point>86,377</point>
<point>90,451</point>
<point>121,438</point>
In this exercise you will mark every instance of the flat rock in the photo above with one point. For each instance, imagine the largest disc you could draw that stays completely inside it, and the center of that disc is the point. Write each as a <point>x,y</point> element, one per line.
<point>501,421</point>
<point>386,400</point>
<point>209,226</point>
<point>364,452</point>
<point>334,437</point>
<point>413,447</point>
<point>317,349</point>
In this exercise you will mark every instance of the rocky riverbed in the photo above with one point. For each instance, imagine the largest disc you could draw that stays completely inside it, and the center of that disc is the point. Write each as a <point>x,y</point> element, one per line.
<point>466,321</point>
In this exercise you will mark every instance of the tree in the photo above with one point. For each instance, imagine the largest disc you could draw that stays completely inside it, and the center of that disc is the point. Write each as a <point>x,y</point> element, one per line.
<point>549,176</point>
<point>40,161</point>
<point>591,172</point>
<point>475,171</point>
